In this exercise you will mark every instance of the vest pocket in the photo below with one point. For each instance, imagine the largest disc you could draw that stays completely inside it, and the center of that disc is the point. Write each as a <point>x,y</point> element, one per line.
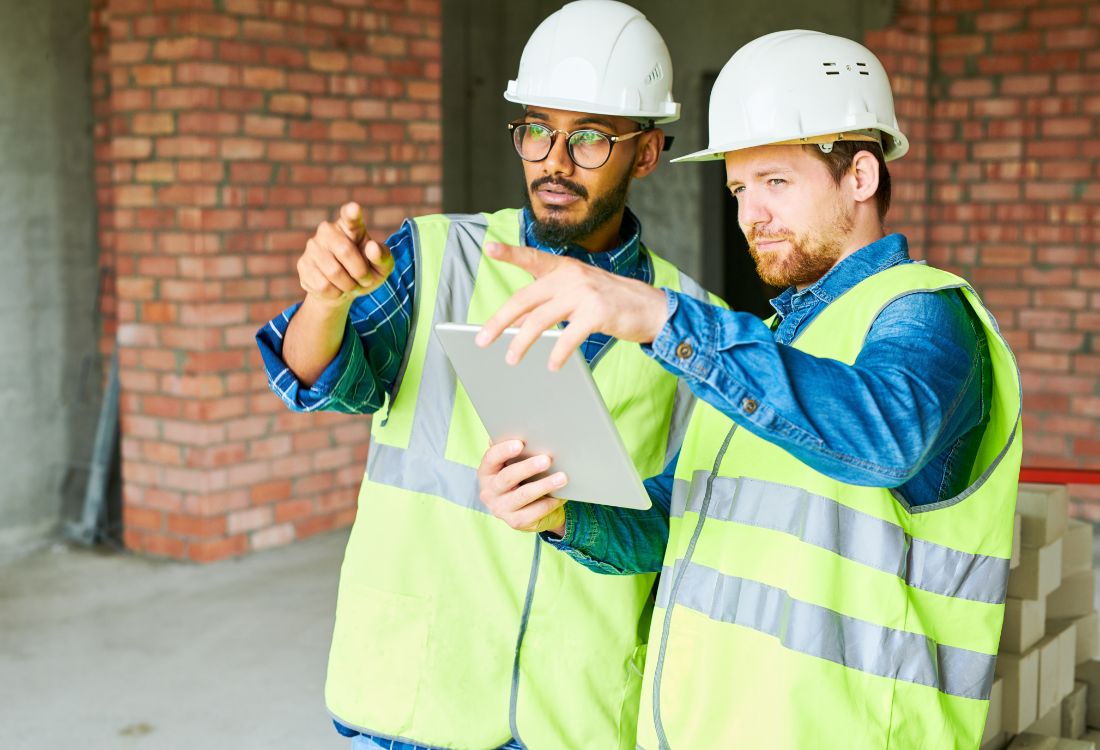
<point>379,652</point>
<point>632,689</point>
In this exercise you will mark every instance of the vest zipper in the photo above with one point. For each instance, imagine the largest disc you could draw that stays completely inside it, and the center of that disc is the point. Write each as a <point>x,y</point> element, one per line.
<point>513,700</point>
<point>662,739</point>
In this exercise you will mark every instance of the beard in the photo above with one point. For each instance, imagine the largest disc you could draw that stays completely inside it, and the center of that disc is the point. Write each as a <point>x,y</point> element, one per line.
<point>811,254</point>
<point>554,231</point>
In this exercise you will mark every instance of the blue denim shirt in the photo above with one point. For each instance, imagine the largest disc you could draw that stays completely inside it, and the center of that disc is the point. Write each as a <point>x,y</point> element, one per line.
<point>364,370</point>
<point>908,413</point>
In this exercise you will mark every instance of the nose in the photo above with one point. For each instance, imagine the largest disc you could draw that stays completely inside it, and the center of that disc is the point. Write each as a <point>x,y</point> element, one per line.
<point>751,211</point>
<point>558,160</point>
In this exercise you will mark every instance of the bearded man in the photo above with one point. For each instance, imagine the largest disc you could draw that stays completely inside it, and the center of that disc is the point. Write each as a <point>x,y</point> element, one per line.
<point>451,630</point>
<point>839,520</point>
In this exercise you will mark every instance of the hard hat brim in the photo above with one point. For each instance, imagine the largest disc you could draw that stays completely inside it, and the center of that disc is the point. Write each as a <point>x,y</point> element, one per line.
<point>897,150</point>
<point>670,113</point>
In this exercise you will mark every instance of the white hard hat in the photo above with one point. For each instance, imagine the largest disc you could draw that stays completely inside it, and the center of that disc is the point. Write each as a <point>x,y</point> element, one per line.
<point>597,56</point>
<point>801,87</point>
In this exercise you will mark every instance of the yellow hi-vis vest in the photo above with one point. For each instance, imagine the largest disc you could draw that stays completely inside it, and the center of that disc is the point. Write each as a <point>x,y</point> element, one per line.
<point>452,629</point>
<point>797,612</point>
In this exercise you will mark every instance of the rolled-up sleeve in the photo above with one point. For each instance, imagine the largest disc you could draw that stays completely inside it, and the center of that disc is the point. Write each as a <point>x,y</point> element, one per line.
<point>620,541</point>
<point>365,368</point>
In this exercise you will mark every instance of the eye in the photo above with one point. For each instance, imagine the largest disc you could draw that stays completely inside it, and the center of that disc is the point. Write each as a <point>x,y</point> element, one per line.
<point>537,132</point>
<point>587,137</point>
<point>774,181</point>
<point>736,190</point>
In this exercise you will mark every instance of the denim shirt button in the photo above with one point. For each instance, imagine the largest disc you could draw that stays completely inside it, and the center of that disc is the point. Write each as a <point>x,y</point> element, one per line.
<point>749,405</point>
<point>684,350</point>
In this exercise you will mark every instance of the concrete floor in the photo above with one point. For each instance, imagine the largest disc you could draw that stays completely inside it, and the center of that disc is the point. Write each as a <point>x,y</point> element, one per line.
<point>112,652</point>
<point>104,651</point>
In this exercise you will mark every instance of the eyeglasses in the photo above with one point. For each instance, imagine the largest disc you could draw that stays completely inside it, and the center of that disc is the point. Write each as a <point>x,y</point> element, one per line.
<point>589,149</point>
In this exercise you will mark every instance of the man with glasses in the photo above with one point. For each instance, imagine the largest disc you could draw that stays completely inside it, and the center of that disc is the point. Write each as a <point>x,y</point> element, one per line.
<point>452,631</point>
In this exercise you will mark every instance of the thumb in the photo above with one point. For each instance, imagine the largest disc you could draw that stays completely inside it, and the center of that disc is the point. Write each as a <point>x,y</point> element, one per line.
<point>351,223</point>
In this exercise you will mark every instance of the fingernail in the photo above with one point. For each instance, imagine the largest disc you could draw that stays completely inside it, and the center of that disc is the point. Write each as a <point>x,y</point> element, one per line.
<point>515,446</point>
<point>510,357</point>
<point>558,479</point>
<point>542,462</point>
<point>481,339</point>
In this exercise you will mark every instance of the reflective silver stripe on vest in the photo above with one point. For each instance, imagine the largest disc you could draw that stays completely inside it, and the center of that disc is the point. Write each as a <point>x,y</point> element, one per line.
<point>847,532</point>
<point>420,467</point>
<point>425,472</point>
<point>817,631</point>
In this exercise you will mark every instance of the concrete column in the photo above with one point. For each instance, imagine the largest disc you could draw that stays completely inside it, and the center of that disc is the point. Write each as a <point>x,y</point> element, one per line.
<point>49,369</point>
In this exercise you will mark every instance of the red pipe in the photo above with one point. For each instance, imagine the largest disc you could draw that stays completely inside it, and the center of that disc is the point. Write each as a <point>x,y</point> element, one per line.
<point>1059,476</point>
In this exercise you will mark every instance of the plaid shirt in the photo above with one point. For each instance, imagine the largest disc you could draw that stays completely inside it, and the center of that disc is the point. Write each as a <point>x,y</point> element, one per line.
<point>365,368</point>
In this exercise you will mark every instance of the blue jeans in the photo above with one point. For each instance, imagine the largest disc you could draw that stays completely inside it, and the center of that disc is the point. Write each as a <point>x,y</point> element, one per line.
<point>363,742</point>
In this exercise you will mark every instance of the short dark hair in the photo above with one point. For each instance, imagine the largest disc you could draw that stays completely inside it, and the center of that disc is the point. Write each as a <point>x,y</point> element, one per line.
<point>839,161</point>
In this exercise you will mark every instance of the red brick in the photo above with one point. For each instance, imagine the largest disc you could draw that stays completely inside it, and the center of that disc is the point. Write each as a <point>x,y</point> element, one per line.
<point>264,78</point>
<point>1025,84</point>
<point>1046,17</point>
<point>217,549</point>
<point>186,98</point>
<point>131,148</point>
<point>270,492</point>
<point>242,148</point>
<point>197,526</point>
<point>183,48</point>
<point>152,75</point>
<point>123,53</point>
<point>328,61</point>
<point>1086,38</point>
<point>1067,127</point>
<point>213,74</point>
<point>272,536</point>
<point>291,104</point>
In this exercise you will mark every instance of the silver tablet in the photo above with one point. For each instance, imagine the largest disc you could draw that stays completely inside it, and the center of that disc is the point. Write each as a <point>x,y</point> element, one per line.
<point>561,414</point>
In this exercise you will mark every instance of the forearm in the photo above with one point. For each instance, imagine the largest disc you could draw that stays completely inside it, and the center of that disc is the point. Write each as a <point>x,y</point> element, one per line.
<point>313,338</point>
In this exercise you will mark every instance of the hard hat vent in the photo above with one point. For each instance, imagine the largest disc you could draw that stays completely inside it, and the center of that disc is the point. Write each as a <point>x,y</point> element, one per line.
<point>655,75</point>
<point>832,69</point>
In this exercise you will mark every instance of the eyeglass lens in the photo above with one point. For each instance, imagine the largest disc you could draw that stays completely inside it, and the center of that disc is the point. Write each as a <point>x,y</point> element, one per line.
<point>587,148</point>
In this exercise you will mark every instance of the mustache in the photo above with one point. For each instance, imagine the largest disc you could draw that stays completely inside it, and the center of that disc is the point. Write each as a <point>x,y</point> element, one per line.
<point>755,237</point>
<point>560,182</point>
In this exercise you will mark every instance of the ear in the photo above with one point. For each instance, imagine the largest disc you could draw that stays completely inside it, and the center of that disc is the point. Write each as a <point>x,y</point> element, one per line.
<point>863,176</point>
<point>650,145</point>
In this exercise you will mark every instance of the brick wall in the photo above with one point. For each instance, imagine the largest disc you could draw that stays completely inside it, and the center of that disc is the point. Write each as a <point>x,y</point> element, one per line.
<point>1013,193</point>
<point>226,130</point>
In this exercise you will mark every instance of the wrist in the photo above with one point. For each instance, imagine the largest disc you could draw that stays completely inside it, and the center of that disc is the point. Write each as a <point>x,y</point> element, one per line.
<point>658,315</point>
<point>318,306</point>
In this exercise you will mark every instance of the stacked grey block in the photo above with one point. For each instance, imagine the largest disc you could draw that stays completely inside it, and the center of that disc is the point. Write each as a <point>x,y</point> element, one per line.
<point>1047,692</point>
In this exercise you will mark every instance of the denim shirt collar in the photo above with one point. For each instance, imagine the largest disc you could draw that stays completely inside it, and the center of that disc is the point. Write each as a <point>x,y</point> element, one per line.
<point>622,260</point>
<point>879,255</point>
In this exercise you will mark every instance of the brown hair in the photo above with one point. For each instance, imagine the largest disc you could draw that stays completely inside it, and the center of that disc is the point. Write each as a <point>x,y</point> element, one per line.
<point>839,161</point>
